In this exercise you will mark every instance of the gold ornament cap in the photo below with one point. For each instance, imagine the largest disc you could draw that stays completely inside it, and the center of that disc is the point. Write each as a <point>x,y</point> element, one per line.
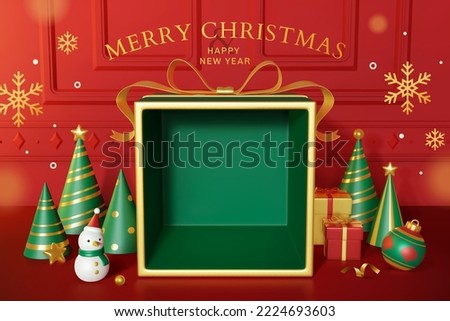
<point>358,133</point>
<point>413,225</point>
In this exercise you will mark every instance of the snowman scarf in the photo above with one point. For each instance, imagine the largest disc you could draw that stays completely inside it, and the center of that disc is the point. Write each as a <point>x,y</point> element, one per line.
<point>93,253</point>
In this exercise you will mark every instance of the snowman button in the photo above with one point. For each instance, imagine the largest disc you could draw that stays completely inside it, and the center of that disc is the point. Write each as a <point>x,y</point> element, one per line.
<point>96,272</point>
<point>95,263</point>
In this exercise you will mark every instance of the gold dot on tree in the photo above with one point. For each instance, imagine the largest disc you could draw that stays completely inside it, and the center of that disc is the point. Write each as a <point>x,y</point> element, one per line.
<point>131,230</point>
<point>130,198</point>
<point>114,247</point>
<point>115,214</point>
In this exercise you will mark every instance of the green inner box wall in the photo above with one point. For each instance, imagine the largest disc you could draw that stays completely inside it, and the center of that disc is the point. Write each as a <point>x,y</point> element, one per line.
<point>224,216</point>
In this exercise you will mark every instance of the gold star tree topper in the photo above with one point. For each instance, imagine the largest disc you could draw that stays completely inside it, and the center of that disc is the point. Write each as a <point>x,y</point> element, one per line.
<point>389,170</point>
<point>56,253</point>
<point>79,133</point>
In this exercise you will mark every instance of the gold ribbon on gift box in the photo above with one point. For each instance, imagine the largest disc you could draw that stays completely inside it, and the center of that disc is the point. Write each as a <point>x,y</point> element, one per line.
<point>344,222</point>
<point>122,96</point>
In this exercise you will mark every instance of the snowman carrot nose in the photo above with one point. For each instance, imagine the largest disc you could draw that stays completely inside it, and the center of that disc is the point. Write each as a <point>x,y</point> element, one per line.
<point>95,243</point>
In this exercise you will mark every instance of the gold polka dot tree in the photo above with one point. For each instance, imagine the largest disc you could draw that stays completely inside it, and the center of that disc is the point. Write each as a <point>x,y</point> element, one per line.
<point>119,228</point>
<point>81,193</point>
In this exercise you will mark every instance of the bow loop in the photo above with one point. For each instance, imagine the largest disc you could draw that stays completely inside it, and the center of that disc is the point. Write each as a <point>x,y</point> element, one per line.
<point>122,96</point>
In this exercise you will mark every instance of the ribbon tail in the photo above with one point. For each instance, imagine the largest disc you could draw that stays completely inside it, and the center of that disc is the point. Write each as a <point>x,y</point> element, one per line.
<point>125,109</point>
<point>359,272</point>
<point>327,105</point>
<point>371,266</point>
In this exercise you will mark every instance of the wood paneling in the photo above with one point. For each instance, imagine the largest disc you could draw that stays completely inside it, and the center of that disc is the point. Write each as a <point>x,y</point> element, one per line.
<point>80,86</point>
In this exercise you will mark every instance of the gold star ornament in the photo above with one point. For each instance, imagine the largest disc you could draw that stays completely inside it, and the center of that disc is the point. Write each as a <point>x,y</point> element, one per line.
<point>389,170</point>
<point>56,253</point>
<point>79,133</point>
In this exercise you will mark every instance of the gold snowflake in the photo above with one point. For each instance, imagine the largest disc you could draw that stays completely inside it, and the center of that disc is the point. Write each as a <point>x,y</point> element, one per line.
<point>67,42</point>
<point>18,99</point>
<point>434,139</point>
<point>407,88</point>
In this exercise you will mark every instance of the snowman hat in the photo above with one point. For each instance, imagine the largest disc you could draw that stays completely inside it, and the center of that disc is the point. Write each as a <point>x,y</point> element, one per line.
<point>94,223</point>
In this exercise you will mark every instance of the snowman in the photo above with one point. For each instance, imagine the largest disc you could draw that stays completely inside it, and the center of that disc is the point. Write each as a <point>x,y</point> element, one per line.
<point>91,264</point>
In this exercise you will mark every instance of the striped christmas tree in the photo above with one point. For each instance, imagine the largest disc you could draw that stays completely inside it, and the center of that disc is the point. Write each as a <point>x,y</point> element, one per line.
<point>81,193</point>
<point>357,181</point>
<point>388,216</point>
<point>46,230</point>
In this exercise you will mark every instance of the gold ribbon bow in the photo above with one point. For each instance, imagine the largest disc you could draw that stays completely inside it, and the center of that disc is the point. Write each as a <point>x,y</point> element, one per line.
<point>338,219</point>
<point>359,272</point>
<point>330,191</point>
<point>122,103</point>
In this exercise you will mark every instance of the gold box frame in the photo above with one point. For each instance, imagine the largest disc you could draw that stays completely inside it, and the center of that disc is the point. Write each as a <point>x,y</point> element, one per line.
<point>204,103</point>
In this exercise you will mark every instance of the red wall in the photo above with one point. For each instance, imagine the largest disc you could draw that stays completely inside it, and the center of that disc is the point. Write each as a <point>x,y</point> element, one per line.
<point>360,34</point>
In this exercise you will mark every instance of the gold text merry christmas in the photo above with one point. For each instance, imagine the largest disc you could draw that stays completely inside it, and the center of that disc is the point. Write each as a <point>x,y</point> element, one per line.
<point>221,31</point>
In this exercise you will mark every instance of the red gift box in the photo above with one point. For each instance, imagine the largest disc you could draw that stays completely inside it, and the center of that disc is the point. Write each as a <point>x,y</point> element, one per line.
<point>342,239</point>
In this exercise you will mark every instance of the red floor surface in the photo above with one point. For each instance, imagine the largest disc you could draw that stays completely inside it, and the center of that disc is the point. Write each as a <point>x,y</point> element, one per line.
<point>25,279</point>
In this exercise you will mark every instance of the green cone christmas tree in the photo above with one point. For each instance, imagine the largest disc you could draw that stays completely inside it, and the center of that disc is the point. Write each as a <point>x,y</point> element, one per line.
<point>46,230</point>
<point>119,228</point>
<point>357,181</point>
<point>81,193</point>
<point>388,216</point>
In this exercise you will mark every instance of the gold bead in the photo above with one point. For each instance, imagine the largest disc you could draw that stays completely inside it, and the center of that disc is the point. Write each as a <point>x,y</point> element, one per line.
<point>358,133</point>
<point>119,280</point>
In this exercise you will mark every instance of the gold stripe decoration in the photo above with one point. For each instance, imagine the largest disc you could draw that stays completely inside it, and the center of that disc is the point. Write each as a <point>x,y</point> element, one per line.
<point>81,191</point>
<point>277,88</point>
<point>81,168</point>
<point>344,243</point>
<point>361,271</point>
<point>46,225</point>
<point>79,155</point>
<point>365,198</point>
<point>79,177</point>
<point>363,191</point>
<point>81,199</point>
<point>356,179</point>
<point>46,208</point>
<point>45,247</point>
<point>47,233</point>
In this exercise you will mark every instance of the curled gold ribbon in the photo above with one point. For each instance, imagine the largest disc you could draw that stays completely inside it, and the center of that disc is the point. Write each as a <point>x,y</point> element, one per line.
<point>359,272</point>
<point>122,103</point>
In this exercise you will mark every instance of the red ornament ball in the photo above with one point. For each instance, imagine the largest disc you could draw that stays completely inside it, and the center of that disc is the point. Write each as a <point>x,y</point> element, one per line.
<point>404,247</point>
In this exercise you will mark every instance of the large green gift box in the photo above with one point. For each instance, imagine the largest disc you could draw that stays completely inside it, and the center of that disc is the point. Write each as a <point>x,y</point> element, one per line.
<point>225,185</point>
